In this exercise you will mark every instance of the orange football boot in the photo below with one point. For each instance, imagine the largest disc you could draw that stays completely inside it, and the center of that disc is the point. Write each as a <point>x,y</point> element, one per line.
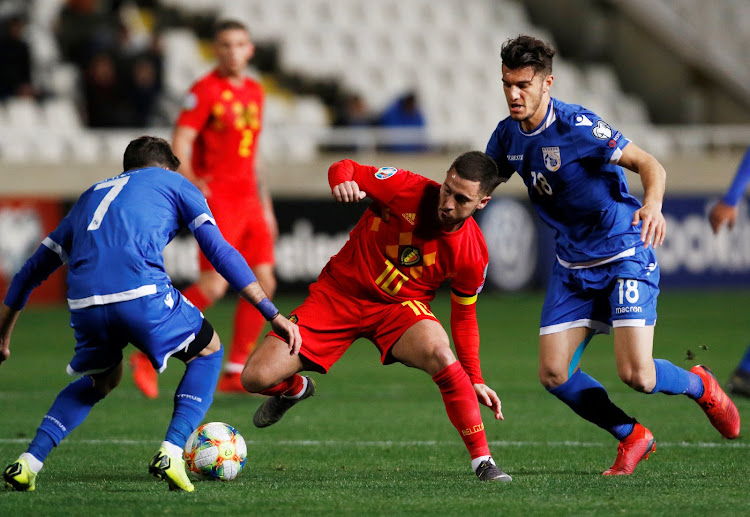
<point>718,407</point>
<point>632,449</point>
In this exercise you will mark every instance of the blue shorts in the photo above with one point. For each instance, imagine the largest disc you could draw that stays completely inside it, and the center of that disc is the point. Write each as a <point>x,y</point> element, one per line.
<point>159,325</point>
<point>618,294</point>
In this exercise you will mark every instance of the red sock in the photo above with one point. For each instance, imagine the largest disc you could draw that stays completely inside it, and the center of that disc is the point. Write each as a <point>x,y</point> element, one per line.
<point>463,408</point>
<point>248,324</point>
<point>290,386</point>
<point>197,297</point>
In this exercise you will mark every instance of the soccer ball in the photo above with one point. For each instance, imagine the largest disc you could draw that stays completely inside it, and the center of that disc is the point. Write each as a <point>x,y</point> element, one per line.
<point>216,451</point>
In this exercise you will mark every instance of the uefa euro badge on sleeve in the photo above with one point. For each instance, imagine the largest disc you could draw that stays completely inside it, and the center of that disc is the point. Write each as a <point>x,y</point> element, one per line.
<point>385,172</point>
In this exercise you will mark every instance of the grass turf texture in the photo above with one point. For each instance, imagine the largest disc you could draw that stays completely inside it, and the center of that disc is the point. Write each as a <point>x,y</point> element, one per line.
<point>376,440</point>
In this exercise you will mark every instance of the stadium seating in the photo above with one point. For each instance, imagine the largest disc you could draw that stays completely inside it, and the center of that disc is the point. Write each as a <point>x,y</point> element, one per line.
<point>447,51</point>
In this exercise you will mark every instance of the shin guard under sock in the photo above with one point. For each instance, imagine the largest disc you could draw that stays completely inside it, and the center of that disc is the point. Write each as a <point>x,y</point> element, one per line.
<point>462,407</point>
<point>194,396</point>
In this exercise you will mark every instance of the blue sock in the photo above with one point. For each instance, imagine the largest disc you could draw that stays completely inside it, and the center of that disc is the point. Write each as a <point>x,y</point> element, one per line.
<point>194,396</point>
<point>673,380</point>
<point>71,407</point>
<point>589,400</point>
<point>744,365</point>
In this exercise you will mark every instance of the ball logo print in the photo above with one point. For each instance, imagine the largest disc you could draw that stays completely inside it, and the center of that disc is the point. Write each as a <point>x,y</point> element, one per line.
<point>216,451</point>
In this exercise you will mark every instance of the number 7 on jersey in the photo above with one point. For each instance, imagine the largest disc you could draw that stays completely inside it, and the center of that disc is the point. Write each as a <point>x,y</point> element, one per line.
<point>116,185</point>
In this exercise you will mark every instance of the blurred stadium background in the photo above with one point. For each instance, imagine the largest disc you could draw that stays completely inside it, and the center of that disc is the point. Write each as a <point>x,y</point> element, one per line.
<point>80,78</point>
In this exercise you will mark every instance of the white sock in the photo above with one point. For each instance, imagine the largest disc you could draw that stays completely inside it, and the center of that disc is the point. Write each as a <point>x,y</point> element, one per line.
<point>174,450</point>
<point>301,392</point>
<point>34,464</point>
<point>476,461</point>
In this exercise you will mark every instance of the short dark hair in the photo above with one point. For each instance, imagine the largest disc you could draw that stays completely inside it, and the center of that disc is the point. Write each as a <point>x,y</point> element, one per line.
<point>149,151</point>
<point>228,25</point>
<point>478,166</point>
<point>526,50</point>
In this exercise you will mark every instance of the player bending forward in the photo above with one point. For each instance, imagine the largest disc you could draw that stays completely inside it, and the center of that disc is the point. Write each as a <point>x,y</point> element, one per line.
<point>415,235</point>
<point>606,273</point>
<point>119,293</point>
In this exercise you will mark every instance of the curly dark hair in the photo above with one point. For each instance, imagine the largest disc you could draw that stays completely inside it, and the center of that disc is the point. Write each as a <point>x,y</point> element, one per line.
<point>526,50</point>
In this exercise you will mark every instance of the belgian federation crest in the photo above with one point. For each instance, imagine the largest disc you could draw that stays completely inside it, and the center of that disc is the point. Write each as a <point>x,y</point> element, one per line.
<point>552,158</point>
<point>410,256</point>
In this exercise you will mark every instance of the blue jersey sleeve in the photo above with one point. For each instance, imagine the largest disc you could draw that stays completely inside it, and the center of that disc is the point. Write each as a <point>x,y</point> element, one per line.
<point>739,183</point>
<point>595,139</point>
<point>35,271</point>
<point>227,260</point>
<point>498,154</point>
<point>193,207</point>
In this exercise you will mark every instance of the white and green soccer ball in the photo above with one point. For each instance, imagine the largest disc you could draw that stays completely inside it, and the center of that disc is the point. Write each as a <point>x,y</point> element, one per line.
<point>216,451</point>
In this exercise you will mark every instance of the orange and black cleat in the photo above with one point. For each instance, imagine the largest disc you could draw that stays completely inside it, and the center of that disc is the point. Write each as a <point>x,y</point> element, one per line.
<point>719,408</point>
<point>632,449</point>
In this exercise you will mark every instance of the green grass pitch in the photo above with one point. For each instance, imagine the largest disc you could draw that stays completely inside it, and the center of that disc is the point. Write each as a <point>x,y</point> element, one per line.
<point>376,440</point>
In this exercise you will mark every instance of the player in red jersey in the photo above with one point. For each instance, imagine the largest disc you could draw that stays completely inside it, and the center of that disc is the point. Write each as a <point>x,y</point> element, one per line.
<point>216,138</point>
<point>415,235</point>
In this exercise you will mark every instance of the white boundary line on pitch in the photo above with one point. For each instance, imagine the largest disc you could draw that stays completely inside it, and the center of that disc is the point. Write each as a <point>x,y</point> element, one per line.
<point>388,443</point>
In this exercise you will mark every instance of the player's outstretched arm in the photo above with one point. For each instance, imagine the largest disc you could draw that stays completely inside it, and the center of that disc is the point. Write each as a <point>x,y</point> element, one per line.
<point>34,271</point>
<point>255,294</point>
<point>722,213</point>
<point>653,178</point>
<point>233,267</point>
<point>8,318</point>
<point>725,211</point>
<point>489,398</point>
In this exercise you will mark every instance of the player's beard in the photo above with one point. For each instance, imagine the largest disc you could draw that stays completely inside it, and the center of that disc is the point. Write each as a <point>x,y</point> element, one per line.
<point>532,109</point>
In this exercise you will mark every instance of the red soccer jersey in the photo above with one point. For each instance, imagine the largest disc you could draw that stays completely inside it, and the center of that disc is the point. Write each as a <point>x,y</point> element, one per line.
<point>228,119</point>
<point>397,252</point>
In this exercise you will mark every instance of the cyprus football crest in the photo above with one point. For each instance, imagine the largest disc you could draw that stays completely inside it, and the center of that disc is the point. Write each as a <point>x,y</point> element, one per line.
<point>551,158</point>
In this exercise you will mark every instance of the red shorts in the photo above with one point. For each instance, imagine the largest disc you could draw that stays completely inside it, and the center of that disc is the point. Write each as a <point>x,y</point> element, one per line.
<point>244,226</point>
<point>330,321</point>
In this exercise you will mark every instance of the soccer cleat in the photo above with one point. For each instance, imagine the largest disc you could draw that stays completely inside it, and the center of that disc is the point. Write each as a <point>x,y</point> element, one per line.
<point>488,471</point>
<point>274,408</point>
<point>718,407</point>
<point>739,384</point>
<point>19,476</point>
<point>230,383</point>
<point>170,469</point>
<point>632,449</point>
<point>144,375</point>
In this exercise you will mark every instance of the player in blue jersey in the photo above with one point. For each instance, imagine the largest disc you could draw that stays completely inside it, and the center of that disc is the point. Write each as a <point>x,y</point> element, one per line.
<point>725,211</point>
<point>606,274</point>
<point>119,293</point>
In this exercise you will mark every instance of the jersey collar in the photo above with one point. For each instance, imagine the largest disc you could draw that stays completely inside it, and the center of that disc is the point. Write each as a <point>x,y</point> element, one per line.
<point>547,122</point>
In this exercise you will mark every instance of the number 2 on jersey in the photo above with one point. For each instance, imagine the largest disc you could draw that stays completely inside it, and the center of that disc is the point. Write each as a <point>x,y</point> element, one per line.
<point>116,186</point>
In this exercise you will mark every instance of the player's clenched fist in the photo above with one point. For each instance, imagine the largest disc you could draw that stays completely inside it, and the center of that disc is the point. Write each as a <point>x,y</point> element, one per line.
<point>348,192</point>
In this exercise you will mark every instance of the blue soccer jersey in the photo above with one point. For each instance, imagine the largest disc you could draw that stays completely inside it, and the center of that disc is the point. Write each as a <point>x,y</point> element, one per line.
<point>114,252</point>
<point>569,166</point>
